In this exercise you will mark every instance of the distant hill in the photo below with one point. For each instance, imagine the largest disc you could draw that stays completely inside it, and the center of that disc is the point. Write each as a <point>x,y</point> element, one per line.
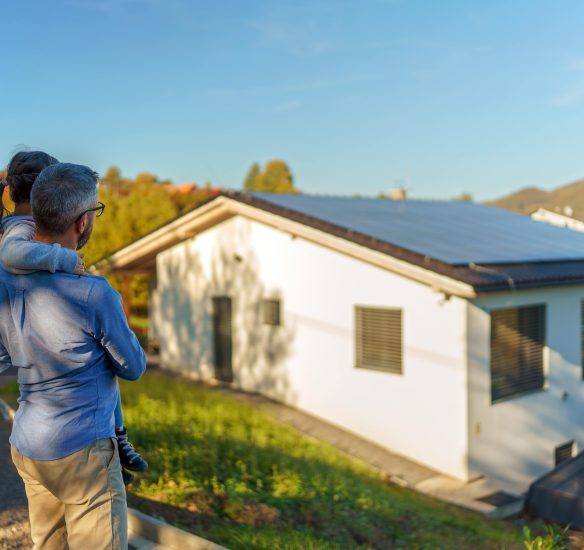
<point>529,199</point>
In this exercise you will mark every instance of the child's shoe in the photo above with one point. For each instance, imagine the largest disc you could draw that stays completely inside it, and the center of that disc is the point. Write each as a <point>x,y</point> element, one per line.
<point>129,457</point>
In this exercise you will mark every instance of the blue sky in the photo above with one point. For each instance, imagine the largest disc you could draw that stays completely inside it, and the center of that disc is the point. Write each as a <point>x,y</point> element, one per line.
<point>356,95</point>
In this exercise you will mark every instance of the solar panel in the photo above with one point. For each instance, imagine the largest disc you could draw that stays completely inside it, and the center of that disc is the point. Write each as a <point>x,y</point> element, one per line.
<point>457,233</point>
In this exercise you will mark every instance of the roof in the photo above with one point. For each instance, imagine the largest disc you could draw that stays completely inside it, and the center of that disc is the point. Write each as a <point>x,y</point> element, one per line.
<point>457,233</point>
<point>461,248</point>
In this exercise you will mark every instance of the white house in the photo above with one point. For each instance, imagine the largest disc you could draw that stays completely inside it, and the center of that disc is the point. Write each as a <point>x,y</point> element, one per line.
<point>555,218</point>
<point>450,333</point>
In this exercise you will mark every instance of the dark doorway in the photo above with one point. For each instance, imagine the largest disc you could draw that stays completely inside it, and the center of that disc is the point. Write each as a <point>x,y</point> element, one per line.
<point>222,342</point>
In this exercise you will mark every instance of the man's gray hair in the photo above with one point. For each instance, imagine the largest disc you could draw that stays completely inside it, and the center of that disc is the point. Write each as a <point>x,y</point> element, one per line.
<point>60,194</point>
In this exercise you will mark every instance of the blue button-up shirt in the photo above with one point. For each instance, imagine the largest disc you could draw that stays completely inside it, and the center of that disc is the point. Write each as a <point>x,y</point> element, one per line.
<point>69,338</point>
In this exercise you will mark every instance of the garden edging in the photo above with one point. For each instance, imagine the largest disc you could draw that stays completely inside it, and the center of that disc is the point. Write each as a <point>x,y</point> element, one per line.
<point>167,536</point>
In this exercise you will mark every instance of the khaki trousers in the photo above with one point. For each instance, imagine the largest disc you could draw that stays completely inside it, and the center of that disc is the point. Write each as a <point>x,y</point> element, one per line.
<point>76,502</point>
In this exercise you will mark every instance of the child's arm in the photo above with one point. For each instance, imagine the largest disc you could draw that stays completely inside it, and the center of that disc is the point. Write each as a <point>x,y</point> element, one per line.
<point>21,255</point>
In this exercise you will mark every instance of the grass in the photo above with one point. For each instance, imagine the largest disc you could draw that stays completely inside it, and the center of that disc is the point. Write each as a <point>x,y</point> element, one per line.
<point>235,475</point>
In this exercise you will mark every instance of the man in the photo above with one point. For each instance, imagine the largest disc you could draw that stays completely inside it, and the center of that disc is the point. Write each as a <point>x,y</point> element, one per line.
<point>69,339</point>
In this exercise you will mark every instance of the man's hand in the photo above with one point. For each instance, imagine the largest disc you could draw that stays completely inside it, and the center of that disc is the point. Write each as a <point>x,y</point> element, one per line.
<point>80,266</point>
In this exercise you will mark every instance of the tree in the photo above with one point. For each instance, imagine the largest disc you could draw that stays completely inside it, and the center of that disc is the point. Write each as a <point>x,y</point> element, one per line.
<point>464,197</point>
<point>250,182</point>
<point>276,177</point>
<point>145,178</point>
<point>133,208</point>
<point>112,176</point>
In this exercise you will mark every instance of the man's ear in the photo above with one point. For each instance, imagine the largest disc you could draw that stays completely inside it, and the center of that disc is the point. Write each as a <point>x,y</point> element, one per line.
<point>81,224</point>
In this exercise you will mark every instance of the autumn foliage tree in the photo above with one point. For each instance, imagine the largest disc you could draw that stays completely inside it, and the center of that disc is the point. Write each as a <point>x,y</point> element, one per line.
<point>276,177</point>
<point>250,182</point>
<point>135,207</point>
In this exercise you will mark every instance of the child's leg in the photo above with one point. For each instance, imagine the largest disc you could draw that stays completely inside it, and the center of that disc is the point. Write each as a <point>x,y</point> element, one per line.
<point>129,457</point>
<point>118,415</point>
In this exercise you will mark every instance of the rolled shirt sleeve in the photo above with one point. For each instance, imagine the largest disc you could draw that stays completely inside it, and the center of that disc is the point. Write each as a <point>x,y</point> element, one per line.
<point>110,328</point>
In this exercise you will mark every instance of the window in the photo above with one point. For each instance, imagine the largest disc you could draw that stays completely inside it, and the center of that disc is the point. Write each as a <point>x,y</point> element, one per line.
<point>271,312</point>
<point>517,341</point>
<point>378,334</point>
<point>565,452</point>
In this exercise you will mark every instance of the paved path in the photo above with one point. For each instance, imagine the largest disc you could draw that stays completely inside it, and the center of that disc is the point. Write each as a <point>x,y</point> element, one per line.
<point>14,527</point>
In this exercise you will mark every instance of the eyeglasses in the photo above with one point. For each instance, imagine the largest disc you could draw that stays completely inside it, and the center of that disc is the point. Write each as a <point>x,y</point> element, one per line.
<point>98,211</point>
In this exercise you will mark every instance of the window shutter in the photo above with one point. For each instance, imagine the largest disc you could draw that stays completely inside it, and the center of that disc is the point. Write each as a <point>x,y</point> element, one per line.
<point>517,340</point>
<point>379,339</point>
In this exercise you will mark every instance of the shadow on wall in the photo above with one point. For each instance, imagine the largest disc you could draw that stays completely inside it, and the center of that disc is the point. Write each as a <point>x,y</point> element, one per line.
<point>259,350</point>
<point>185,339</point>
<point>185,320</point>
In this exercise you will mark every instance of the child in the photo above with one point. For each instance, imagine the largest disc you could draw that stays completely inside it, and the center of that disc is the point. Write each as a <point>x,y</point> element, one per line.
<point>20,254</point>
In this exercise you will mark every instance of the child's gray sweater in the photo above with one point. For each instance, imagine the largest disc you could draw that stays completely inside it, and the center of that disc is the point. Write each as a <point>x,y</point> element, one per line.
<point>20,254</point>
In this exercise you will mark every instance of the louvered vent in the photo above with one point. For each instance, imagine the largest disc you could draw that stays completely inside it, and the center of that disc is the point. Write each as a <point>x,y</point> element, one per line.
<point>379,339</point>
<point>517,341</point>
<point>565,452</point>
<point>271,312</point>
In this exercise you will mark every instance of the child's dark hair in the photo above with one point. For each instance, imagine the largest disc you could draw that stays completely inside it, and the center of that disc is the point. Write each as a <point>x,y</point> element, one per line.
<point>21,173</point>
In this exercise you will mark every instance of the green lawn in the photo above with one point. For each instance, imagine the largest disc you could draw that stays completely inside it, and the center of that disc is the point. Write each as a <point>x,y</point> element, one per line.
<point>235,475</point>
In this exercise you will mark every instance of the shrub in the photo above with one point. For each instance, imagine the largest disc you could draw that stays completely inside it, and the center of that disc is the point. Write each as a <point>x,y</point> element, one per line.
<point>555,538</point>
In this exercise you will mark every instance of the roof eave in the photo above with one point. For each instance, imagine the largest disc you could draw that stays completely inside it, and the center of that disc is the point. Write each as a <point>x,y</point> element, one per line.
<point>140,255</point>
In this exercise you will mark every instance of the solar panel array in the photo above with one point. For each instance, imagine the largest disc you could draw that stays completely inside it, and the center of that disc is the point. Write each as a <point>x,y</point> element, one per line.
<point>457,233</point>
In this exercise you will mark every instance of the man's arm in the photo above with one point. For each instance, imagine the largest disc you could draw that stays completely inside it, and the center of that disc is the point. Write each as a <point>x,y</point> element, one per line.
<point>110,327</point>
<point>21,255</point>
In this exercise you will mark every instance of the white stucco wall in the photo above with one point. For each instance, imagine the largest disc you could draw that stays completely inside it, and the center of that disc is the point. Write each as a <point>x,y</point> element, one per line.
<point>514,440</point>
<point>309,361</point>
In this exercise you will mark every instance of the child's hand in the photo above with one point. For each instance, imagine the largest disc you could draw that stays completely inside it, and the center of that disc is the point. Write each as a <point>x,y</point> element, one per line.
<point>80,267</point>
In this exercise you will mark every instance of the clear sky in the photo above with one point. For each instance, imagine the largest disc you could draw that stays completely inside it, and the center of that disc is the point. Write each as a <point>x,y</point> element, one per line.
<point>357,96</point>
